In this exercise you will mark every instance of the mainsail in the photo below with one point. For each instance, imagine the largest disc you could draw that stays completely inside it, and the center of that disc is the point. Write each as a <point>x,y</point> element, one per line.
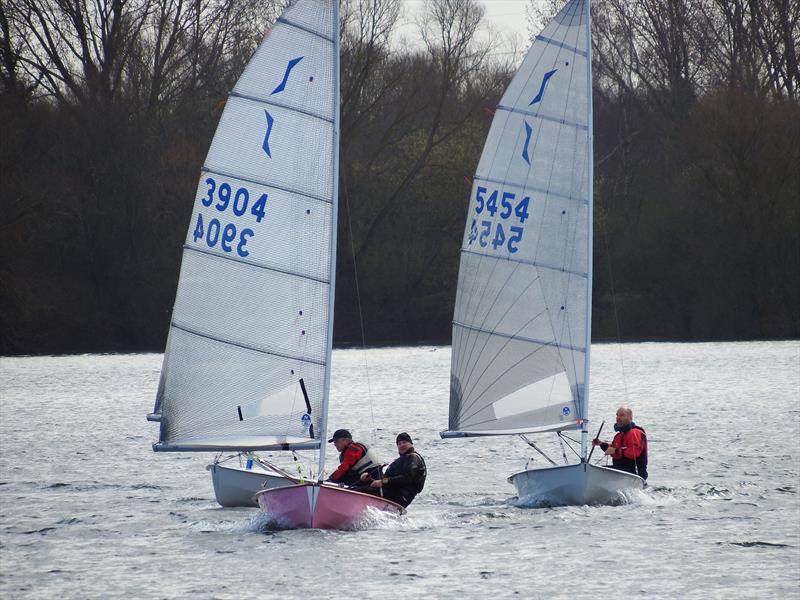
<point>521,329</point>
<point>247,362</point>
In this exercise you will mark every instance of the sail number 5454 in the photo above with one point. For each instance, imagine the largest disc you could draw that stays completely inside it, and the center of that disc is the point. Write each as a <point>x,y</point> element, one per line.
<point>482,230</point>
<point>506,204</point>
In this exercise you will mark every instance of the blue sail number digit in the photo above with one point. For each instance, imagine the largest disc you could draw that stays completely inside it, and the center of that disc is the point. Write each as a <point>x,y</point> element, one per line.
<point>473,232</point>
<point>504,202</point>
<point>212,185</point>
<point>513,239</point>
<point>522,209</point>
<point>245,196</point>
<point>491,203</point>
<point>479,192</point>
<point>499,236</point>
<point>198,228</point>
<point>258,209</point>
<point>243,237</point>
<point>228,235</point>
<point>224,195</point>
<point>487,227</point>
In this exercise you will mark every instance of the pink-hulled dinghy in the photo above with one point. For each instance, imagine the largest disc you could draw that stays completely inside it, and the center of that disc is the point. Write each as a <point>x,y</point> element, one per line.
<point>315,505</point>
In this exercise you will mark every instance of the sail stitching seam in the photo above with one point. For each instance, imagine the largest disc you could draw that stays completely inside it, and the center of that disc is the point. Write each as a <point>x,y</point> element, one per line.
<point>536,115</point>
<point>257,266</point>
<point>283,106</point>
<point>553,42</point>
<point>513,336</point>
<point>303,28</point>
<point>206,169</point>
<point>527,262</point>
<point>527,187</point>
<point>244,346</point>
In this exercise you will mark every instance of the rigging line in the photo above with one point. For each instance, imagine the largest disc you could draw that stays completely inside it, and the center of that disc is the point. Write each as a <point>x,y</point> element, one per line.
<point>614,304</point>
<point>568,445</point>
<point>539,236</point>
<point>358,299</point>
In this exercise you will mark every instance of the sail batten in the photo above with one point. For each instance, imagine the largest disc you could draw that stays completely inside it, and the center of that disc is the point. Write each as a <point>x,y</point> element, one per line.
<point>538,265</point>
<point>256,265</point>
<point>266,184</point>
<point>244,347</point>
<point>544,117</point>
<point>532,188</point>
<point>520,327</point>
<point>247,362</point>
<point>286,21</point>
<point>512,336</point>
<point>281,105</point>
<point>548,40</point>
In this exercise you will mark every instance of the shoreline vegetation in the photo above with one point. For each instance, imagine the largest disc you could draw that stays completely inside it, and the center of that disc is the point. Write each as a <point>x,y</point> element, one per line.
<point>108,110</point>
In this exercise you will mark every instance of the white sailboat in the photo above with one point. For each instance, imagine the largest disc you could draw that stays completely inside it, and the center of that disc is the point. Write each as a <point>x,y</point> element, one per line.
<point>522,322</point>
<point>236,479</point>
<point>247,362</point>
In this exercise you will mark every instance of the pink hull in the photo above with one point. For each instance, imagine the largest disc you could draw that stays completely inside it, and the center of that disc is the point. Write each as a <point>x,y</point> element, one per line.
<point>319,506</point>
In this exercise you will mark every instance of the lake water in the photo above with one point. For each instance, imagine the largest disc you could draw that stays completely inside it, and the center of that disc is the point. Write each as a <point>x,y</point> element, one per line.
<point>87,510</point>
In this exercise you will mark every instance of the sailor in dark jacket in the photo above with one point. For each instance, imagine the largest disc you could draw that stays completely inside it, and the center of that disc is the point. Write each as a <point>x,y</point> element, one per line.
<point>405,477</point>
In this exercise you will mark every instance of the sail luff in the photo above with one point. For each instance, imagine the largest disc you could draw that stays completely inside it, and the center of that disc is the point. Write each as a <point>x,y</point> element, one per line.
<point>334,221</point>
<point>583,411</point>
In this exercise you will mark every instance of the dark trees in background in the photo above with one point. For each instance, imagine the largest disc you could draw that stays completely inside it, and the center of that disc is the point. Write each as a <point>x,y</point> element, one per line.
<point>697,168</point>
<point>107,109</point>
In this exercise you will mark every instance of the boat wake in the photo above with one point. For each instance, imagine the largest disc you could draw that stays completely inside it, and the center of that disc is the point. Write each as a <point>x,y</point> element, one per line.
<point>372,518</point>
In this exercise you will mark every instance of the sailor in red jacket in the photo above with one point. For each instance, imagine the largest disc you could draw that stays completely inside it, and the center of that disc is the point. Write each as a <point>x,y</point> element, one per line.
<point>355,458</point>
<point>628,449</point>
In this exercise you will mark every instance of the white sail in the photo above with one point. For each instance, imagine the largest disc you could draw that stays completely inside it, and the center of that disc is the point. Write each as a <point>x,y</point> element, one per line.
<point>247,362</point>
<point>521,328</point>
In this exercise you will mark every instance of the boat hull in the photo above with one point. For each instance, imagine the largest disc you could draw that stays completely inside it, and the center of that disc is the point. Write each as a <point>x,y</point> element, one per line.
<point>237,486</point>
<point>320,506</point>
<point>574,485</point>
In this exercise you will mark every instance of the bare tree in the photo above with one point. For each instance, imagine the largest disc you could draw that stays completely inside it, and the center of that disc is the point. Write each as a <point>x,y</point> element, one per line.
<point>453,61</point>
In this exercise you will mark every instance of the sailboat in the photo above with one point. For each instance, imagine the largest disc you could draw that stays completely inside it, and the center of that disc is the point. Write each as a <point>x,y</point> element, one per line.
<point>248,356</point>
<point>522,319</point>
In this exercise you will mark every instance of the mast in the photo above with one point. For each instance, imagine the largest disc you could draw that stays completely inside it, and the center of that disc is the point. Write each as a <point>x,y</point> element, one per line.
<point>590,235</point>
<point>334,224</point>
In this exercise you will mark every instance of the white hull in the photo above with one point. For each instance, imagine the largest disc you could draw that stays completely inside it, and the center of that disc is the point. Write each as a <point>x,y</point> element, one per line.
<point>237,486</point>
<point>574,485</point>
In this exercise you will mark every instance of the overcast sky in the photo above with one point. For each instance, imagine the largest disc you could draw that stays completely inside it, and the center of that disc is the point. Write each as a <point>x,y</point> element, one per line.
<point>507,17</point>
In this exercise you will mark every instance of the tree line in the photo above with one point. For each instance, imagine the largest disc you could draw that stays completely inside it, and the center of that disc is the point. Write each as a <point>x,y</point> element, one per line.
<point>108,107</point>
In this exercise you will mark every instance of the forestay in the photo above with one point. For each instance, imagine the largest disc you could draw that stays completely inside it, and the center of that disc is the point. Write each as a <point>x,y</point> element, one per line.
<point>521,327</point>
<point>248,354</point>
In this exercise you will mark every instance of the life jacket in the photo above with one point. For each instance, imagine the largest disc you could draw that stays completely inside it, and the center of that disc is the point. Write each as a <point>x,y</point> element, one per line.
<point>638,465</point>
<point>369,460</point>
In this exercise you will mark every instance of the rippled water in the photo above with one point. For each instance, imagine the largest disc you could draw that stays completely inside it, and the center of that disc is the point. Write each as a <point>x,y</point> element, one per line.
<point>88,511</point>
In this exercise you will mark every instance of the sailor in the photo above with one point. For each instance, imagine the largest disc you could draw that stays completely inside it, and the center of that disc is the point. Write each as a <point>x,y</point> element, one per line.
<point>628,449</point>
<point>405,477</point>
<point>355,458</point>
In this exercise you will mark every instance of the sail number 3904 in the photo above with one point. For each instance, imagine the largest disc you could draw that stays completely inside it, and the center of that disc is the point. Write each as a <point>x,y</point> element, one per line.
<point>488,232</point>
<point>223,198</point>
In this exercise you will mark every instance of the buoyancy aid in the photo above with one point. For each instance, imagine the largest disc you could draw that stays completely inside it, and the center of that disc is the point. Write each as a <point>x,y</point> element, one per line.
<point>369,459</point>
<point>626,456</point>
